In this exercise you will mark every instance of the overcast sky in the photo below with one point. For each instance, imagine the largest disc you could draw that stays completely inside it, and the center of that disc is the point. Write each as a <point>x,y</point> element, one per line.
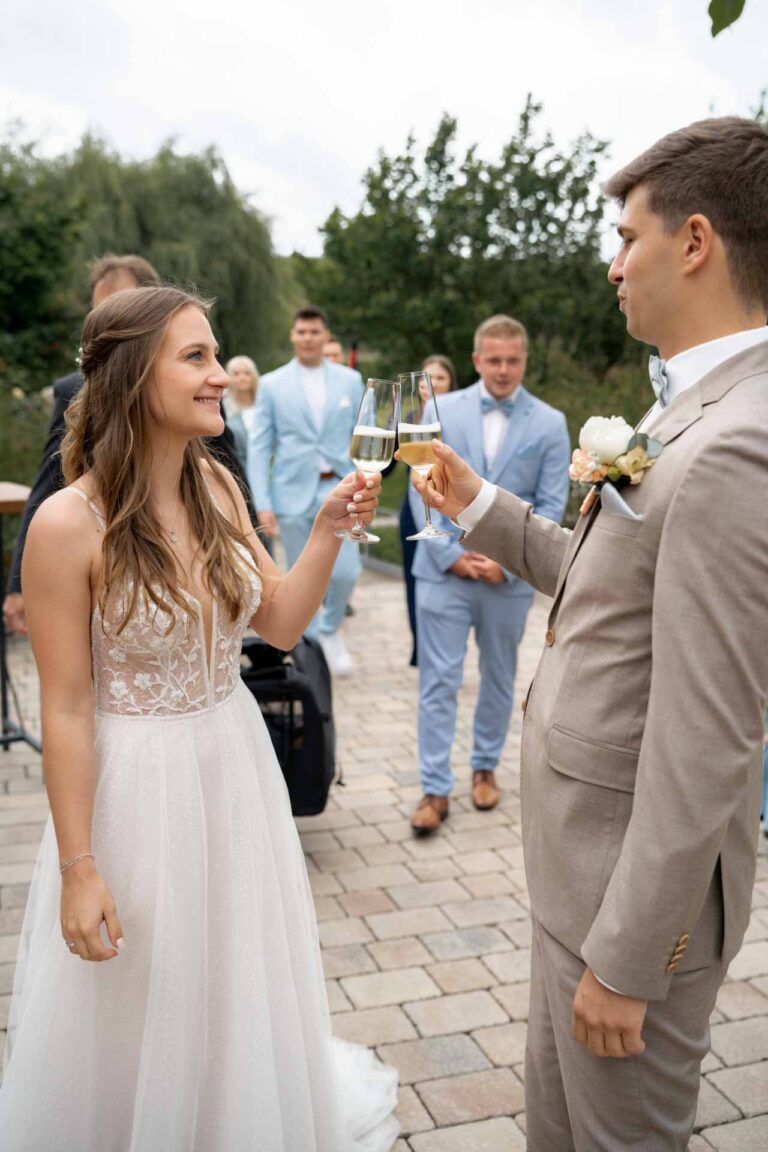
<point>299,96</point>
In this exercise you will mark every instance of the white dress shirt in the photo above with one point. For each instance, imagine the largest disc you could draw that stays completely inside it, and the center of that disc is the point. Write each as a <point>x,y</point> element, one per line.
<point>316,392</point>
<point>495,425</point>
<point>683,370</point>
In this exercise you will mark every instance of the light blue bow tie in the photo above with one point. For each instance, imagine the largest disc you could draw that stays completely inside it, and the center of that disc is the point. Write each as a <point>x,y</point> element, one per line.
<point>657,370</point>
<point>490,404</point>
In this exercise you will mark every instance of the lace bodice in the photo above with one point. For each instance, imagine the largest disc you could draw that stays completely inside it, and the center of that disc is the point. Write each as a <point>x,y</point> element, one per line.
<point>143,671</point>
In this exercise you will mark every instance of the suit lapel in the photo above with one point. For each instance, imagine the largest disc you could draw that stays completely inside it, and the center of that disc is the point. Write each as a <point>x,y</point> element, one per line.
<point>575,542</point>
<point>673,421</point>
<point>517,422</point>
<point>472,427</point>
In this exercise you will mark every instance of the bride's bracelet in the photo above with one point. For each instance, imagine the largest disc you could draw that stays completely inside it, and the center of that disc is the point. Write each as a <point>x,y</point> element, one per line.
<point>70,863</point>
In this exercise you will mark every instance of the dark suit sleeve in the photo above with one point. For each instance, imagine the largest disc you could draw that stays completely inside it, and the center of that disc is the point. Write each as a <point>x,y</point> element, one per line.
<point>224,450</point>
<point>49,478</point>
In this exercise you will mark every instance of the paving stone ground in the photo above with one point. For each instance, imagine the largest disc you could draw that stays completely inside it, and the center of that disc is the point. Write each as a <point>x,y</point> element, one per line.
<point>426,944</point>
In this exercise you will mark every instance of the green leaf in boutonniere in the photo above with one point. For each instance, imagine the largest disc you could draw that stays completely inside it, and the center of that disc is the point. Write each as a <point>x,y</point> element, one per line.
<point>652,448</point>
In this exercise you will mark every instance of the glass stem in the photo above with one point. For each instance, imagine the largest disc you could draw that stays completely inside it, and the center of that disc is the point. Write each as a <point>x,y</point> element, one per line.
<point>358,529</point>
<point>427,515</point>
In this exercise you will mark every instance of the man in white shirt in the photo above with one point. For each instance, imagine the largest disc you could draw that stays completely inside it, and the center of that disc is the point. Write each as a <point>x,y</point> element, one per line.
<point>642,743</point>
<point>298,449</point>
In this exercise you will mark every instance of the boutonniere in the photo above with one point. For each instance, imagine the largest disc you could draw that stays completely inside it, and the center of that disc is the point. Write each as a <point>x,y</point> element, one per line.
<point>610,449</point>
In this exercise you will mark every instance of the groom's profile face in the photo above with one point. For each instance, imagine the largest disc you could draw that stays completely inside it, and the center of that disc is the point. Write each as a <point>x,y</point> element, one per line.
<point>644,269</point>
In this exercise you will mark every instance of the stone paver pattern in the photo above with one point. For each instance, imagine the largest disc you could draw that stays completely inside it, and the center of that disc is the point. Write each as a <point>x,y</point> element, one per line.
<point>426,943</point>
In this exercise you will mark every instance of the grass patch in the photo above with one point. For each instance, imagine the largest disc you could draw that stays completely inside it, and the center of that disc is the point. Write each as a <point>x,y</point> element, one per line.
<point>394,487</point>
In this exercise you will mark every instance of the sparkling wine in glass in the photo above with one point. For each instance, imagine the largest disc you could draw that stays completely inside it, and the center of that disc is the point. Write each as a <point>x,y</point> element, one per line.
<point>419,425</point>
<point>373,440</point>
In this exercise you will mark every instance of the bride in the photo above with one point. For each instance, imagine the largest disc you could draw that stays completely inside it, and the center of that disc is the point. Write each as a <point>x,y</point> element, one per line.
<point>169,992</point>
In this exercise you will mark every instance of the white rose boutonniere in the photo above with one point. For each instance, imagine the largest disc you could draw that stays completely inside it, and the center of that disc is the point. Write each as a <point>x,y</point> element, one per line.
<point>610,450</point>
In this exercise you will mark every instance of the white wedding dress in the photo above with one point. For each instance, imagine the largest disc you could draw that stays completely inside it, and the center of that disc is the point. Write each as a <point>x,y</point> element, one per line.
<point>210,1032</point>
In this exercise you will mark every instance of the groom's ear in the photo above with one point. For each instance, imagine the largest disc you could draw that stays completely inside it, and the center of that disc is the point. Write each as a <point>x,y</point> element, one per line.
<point>699,239</point>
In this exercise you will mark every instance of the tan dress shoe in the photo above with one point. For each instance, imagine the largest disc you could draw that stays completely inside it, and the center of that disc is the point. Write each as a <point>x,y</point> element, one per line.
<point>429,815</point>
<point>485,794</point>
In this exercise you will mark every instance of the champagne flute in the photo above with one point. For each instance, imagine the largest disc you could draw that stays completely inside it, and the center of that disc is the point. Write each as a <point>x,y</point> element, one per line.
<point>373,440</point>
<point>418,427</point>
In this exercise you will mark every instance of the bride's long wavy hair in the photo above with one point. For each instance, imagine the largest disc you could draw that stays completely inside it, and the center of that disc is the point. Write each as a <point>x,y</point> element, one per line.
<point>109,437</point>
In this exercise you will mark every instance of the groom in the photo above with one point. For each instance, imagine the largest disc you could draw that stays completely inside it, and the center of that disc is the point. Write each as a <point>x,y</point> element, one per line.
<point>641,756</point>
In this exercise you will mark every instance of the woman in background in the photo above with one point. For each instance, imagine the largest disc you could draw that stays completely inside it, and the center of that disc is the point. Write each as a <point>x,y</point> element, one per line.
<point>240,403</point>
<point>239,411</point>
<point>443,376</point>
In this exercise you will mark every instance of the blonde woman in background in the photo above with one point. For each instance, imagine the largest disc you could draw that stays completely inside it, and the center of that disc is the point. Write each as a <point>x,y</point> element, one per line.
<point>240,404</point>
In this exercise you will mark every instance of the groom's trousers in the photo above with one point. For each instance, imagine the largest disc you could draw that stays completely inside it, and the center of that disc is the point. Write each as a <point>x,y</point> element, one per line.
<point>577,1102</point>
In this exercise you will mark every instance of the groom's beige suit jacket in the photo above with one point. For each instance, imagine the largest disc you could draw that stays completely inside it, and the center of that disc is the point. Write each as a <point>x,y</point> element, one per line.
<point>642,738</point>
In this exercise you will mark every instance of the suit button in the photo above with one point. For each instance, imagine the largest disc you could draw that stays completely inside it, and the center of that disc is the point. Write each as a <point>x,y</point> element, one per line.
<point>549,638</point>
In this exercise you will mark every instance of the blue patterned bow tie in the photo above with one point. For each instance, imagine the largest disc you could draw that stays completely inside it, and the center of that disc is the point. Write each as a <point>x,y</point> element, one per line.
<point>490,404</point>
<point>657,370</point>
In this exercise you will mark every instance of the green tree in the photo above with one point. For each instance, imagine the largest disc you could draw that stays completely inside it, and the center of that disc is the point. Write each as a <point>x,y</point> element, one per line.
<point>441,242</point>
<point>38,229</point>
<point>182,212</point>
<point>185,215</point>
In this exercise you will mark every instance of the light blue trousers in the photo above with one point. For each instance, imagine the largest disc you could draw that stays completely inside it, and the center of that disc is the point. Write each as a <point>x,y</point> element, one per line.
<point>294,532</point>
<point>445,612</point>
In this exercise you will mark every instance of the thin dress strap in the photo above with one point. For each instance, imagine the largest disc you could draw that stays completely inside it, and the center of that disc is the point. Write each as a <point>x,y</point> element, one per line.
<point>90,503</point>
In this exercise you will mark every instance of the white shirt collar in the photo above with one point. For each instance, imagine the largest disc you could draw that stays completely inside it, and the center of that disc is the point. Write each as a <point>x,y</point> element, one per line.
<point>689,367</point>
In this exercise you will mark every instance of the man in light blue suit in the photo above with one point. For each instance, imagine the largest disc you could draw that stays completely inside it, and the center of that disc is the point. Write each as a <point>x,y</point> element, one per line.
<point>298,449</point>
<point>519,443</point>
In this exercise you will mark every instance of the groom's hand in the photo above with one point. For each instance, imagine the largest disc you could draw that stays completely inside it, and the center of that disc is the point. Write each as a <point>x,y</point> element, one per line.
<point>451,486</point>
<point>606,1022</point>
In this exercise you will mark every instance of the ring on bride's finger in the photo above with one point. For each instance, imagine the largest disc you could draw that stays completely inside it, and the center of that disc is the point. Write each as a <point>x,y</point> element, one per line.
<point>70,943</point>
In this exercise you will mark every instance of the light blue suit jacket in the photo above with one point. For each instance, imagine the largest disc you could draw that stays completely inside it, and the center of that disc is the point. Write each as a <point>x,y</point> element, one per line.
<point>285,446</point>
<point>532,461</point>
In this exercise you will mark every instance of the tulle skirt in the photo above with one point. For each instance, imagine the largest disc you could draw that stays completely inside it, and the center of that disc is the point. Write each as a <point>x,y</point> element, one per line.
<point>210,1031</point>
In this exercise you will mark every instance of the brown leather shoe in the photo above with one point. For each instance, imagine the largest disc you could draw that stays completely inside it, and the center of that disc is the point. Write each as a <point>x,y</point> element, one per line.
<point>429,815</point>
<point>485,794</point>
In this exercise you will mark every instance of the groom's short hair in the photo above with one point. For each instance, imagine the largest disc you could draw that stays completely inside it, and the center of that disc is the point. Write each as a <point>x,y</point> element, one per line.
<point>718,168</point>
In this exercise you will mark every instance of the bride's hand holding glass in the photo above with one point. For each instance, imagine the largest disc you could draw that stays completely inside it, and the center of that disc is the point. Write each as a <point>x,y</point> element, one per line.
<point>373,443</point>
<point>352,502</point>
